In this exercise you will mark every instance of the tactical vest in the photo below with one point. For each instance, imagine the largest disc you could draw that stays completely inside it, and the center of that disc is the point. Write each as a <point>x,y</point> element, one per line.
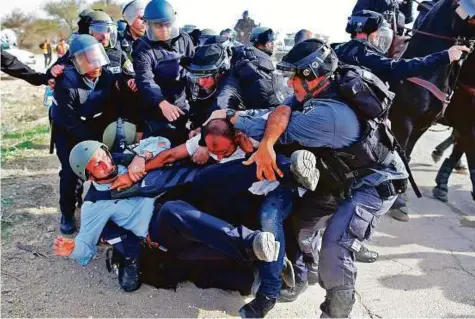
<point>370,98</point>
<point>168,73</point>
<point>254,70</point>
<point>116,61</point>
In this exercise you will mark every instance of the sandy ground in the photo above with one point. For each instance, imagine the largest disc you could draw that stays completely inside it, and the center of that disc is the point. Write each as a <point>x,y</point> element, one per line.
<point>426,267</point>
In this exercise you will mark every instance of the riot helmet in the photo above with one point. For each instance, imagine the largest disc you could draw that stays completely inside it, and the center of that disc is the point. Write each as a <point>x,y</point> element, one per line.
<point>263,38</point>
<point>87,54</point>
<point>205,68</point>
<point>205,35</point>
<point>103,28</point>
<point>302,35</point>
<point>382,38</point>
<point>307,61</point>
<point>380,34</point>
<point>160,18</point>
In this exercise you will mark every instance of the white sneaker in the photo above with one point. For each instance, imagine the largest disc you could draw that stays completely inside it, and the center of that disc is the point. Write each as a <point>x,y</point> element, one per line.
<point>265,247</point>
<point>303,167</point>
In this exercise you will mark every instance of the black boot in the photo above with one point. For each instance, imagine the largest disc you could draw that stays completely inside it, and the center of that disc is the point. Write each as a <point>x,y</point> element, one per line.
<point>366,256</point>
<point>291,294</point>
<point>67,225</point>
<point>129,278</point>
<point>442,179</point>
<point>258,308</point>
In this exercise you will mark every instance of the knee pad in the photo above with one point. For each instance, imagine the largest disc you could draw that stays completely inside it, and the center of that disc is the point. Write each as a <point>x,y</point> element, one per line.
<point>338,302</point>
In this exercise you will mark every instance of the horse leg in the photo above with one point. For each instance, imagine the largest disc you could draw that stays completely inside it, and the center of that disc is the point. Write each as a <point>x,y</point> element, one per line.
<point>421,125</point>
<point>402,126</point>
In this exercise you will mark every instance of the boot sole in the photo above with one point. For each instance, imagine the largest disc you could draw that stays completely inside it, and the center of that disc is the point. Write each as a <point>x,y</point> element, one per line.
<point>397,214</point>
<point>303,164</point>
<point>265,247</point>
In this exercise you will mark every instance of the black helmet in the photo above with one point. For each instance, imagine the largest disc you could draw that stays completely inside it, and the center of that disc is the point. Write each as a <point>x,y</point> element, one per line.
<point>364,21</point>
<point>205,35</point>
<point>261,35</point>
<point>209,61</point>
<point>308,60</point>
<point>302,35</point>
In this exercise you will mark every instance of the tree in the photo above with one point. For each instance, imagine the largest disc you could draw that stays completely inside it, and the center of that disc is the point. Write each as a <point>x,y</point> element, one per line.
<point>18,21</point>
<point>111,7</point>
<point>65,10</point>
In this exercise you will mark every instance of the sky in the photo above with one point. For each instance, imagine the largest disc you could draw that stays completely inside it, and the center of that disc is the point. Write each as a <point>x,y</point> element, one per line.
<point>323,16</point>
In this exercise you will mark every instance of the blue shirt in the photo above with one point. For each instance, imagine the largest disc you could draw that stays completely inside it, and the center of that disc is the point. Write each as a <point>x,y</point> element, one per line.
<point>132,213</point>
<point>324,123</point>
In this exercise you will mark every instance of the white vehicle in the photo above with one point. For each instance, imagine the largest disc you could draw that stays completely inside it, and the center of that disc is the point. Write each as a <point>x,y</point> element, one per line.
<point>23,56</point>
<point>9,44</point>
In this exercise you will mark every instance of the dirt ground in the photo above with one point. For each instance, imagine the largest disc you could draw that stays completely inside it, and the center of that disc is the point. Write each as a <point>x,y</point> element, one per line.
<point>35,283</point>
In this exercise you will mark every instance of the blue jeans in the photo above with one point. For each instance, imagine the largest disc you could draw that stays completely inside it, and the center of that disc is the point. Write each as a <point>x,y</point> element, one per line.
<point>190,234</point>
<point>223,189</point>
<point>353,222</point>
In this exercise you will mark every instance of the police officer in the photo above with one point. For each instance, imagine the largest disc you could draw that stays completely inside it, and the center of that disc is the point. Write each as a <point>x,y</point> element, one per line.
<point>104,30</point>
<point>83,105</point>
<point>371,39</point>
<point>244,27</point>
<point>253,83</point>
<point>330,126</point>
<point>135,28</point>
<point>160,78</point>
<point>206,72</point>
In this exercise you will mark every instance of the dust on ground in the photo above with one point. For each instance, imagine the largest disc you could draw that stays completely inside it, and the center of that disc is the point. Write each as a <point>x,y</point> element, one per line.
<point>426,268</point>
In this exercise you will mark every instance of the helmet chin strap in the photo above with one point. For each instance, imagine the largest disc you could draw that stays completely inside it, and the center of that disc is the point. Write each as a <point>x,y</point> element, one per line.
<point>313,92</point>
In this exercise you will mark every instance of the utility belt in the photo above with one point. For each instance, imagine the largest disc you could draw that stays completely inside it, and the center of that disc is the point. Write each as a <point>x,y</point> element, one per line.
<point>391,188</point>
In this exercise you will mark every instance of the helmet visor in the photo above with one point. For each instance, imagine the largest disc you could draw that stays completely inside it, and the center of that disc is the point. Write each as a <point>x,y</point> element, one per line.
<point>104,33</point>
<point>161,30</point>
<point>90,59</point>
<point>280,84</point>
<point>202,85</point>
<point>382,39</point>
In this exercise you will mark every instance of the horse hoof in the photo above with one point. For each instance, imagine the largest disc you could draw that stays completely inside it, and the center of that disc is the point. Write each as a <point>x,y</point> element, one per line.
<point>399,214</point>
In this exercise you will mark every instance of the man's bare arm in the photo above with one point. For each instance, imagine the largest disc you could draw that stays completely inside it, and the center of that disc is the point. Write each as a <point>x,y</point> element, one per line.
<point>265,157</point>
<point>167,157</point>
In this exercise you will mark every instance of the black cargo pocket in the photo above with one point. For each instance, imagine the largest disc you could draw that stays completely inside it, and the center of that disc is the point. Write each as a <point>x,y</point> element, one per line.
<point>360,224</point>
